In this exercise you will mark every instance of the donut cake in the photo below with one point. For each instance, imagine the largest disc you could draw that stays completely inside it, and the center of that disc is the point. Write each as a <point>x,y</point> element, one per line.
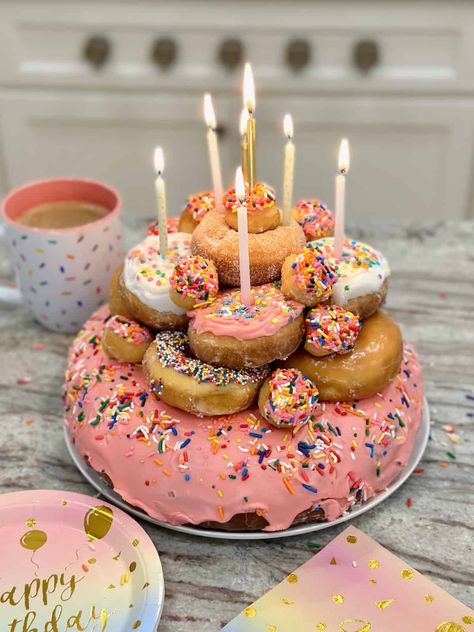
<point>203,406</point>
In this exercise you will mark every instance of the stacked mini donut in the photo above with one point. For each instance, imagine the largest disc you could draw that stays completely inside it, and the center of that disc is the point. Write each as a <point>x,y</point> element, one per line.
<point>311,333</point>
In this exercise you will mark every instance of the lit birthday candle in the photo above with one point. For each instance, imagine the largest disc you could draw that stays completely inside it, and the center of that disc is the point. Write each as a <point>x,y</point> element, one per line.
<point>288,169</point>
<point>340,197</point>
<point>213,147</point>
<point>249,103</point>
<point>244,116</point>
<point>160,188</point>
<point>244,264</point>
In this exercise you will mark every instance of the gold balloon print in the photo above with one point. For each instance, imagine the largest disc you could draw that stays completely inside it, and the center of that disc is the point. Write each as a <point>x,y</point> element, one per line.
<point>33,540</point>
<point>365,627</point>
<point>450,626</point>
<point>97,522</point>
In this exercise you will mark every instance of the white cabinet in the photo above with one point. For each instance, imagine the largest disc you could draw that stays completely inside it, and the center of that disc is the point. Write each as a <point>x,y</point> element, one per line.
<point>410,118</point>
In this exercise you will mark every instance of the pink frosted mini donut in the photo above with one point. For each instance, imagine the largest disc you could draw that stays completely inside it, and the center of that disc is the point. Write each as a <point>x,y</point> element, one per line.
<point>288,399</point>
<point>196,208</point>
<point>315,218</point>
<point>308,276</point>
<point>125,339</point>
<point>331,329</point>
<point>193,281</point>
<point>262,211</point>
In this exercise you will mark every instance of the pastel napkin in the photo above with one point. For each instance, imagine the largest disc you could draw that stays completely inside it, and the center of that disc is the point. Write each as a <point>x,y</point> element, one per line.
<point>354,585</point>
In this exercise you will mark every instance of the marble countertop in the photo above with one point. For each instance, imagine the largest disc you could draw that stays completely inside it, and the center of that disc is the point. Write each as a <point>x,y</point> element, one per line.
<point>209,581</point>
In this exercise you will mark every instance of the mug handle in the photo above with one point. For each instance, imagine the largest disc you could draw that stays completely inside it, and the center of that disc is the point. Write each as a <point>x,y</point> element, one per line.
<point>9,295</point>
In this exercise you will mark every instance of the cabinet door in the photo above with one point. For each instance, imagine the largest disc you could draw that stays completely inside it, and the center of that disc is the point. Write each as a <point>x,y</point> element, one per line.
<point>410,158</point>
<point>110,138</point>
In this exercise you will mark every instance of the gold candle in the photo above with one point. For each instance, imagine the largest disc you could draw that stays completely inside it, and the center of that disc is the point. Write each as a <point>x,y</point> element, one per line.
<point>249,102</point>
<point>244,143</point>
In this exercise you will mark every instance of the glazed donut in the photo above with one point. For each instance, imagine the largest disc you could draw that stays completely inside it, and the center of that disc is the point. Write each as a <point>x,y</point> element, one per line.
<point>288,399</point>
<point>362,272</point>
<point>182,381</point>
<point>125,340</point>
<point>171,222</point>
<point>197,206</point>
<point>144,283</point>
<point>315,218</point>
<point>229,333</point>
<point>363,372</point>
<point>262,211</point>
<point>193,281</point>
<point>307,277</point>
<point>117,304</point>
<point>214,239</point>
<point>330,329</point>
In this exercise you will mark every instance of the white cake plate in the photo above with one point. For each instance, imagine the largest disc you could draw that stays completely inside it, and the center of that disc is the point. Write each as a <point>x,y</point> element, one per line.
<point>98,482</point>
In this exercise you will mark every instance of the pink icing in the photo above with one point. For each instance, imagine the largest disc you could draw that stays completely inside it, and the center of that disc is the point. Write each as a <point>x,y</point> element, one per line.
<point>237,463</point>
<point>227,316</point>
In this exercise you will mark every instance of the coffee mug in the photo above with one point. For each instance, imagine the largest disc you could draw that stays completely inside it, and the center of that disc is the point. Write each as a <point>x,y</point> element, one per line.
<point>62,274</point>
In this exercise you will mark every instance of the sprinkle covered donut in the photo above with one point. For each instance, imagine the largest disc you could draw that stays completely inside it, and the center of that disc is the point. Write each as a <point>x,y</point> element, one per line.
<point>288,399</point>
<point>330,329</point>
<point>315,218</point>
<point>171,222</point>
<point>262,211</point>
<point>145,285</point>
<point>308,277</point>
<point>197,206</point>
<point>362,275</point>
<point>193,281</point>
<point>125,340</point>
<point>194,386</point>
<point>234,472</point>
<point>229,333</point>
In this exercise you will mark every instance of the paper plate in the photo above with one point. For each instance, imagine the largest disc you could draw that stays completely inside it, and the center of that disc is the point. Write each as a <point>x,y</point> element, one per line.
<point>69,561</point>
<point>98,482</point>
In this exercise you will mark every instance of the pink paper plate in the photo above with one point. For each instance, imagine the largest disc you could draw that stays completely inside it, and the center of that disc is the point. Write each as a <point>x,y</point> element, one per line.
<point>72,562</point>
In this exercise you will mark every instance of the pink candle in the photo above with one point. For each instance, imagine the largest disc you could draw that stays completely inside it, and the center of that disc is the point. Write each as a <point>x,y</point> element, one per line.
<point>340,197</point>
<point>244,263</point>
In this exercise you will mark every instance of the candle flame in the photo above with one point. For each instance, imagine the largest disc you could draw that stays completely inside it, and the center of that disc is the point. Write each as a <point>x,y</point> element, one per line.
<point>239,183</point>
<point>344,160</point>
<point>244,117</point>
<point>288,126</point>
<point>159,160</point>
<point>249,88</point>
<point>209,114</point>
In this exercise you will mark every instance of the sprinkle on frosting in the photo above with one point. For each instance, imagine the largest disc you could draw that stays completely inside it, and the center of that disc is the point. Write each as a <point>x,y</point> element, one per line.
<point>313,273</point>
<point>228,316</point>
<point>172,351</point>
<point>315,218</point>
<point>128,330</point>
<point>263,197</point>
<point>199,205</point>
<point>194,277</point>
<point>292,399</point>
<point>172,223</point>
<point>332,329</point>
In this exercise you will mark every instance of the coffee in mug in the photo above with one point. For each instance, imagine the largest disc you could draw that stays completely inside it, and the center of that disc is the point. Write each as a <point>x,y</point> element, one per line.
<point>64,214</point>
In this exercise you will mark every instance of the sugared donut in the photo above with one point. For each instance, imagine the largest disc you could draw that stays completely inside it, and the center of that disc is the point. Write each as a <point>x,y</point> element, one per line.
<point>193,281</point>
<point>330,329</point>
<point>214,239</point>
<point>262,211</point>
<point>315,218</point>
<point>362,274</point>
<point>172,224</point>
<point>125,340</point>
<point>145,286</point>
<point>363,372</point>
<point>196,207</point>
<point>307,277</point>
<point>288,399</point>
<point>229,333</point>
<point>194,386</point>
<point>117,304</point>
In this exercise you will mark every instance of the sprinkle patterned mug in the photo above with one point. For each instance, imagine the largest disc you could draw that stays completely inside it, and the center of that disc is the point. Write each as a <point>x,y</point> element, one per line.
<point>63,274</point>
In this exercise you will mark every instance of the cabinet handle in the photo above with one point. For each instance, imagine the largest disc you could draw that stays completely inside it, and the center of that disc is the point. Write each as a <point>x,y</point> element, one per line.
<point>97,51</point>
<point>164,52</point>
<point>366,55</point>
<point>298,54</point>
<point>230,53</point>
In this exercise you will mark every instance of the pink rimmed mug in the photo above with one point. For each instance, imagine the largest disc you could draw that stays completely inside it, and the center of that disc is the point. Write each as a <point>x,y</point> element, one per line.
<point>62,274</point>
